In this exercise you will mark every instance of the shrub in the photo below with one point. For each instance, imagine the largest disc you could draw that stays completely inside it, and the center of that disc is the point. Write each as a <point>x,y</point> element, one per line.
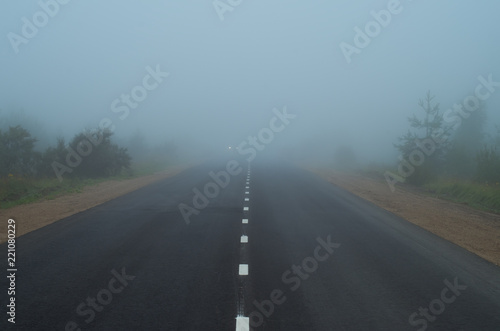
<point>488,165</point>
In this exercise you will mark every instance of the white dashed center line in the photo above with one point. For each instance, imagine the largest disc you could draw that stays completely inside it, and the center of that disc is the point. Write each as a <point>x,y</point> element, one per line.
<point>242,323</point>
<point>243,269</point>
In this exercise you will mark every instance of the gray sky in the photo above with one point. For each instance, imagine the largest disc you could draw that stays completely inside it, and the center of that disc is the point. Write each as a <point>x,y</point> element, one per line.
<point>227,75</point>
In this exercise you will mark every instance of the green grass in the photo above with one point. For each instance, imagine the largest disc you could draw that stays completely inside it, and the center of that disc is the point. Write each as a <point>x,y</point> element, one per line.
<point>481,196</point>
<point>17,190</point>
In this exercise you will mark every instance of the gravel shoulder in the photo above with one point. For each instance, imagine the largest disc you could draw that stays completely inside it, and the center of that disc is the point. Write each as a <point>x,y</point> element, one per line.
<point>474,230</point>
<point>30,217</point>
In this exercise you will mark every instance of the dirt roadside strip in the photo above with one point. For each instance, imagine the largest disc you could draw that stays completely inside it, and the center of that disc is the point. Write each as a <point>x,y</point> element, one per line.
<point>474,230</point>
<point>30,217</point>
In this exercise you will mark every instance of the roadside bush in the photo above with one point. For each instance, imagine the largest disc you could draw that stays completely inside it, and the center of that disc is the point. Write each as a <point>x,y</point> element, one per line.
<point>51,154</point>
<point>17,156</point>
<point>105,159</point>
<point>488,165</point>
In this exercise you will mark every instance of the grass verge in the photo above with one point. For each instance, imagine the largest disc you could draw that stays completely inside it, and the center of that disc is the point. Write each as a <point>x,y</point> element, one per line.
<point>18,190</point>
<point>480,196</point>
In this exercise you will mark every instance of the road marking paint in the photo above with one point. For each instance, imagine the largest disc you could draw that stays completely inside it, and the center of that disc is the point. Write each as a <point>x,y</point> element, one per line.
<point>243,269</point>
<point>242,323</point>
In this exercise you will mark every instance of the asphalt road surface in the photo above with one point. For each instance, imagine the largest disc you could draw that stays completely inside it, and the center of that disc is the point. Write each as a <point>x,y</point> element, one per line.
<point>298,254</point>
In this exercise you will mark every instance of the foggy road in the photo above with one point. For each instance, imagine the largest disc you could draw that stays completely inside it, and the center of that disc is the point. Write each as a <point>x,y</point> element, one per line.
<point>103,103</point>
<point>318,258</point>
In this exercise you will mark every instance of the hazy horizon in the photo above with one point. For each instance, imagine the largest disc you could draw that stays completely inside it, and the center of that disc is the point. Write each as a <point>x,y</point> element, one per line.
<point>226,76</point>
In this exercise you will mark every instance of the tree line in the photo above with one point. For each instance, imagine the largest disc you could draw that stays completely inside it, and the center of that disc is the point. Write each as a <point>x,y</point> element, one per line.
<point>451,144</point>
<point>20,158</point>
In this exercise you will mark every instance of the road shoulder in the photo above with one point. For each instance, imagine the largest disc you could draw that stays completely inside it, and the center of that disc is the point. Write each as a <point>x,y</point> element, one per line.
<point>30,217</point>
<point>474,230</point>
